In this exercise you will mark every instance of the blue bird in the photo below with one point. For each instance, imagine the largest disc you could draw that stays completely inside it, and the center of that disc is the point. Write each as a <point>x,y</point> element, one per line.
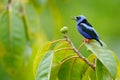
<point>86,29</point>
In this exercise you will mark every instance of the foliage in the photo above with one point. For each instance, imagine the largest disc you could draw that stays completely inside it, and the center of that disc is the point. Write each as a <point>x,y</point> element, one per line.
<point>62,63</point>
<point>20,36</point>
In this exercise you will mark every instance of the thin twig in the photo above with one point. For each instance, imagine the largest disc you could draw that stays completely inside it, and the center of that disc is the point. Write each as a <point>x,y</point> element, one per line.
<point>68,59</point>
<point>63,49</point>
<point>81,46</point>
<point>57,41</point>
<point>78,53</point>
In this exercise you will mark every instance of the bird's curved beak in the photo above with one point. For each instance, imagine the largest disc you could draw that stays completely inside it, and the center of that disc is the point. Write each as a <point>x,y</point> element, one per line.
<point>74,18</point>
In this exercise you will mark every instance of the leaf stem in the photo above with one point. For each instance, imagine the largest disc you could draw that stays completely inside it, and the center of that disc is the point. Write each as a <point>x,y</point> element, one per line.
<point>78,53</point>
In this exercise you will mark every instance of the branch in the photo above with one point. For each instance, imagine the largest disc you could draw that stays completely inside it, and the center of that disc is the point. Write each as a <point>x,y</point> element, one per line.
<point>78,53</point>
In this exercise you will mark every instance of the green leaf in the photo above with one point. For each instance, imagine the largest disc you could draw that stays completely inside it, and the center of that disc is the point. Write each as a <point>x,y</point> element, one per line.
<point>32,23</point>
<point>75,69</point>
<point>72,69</point>
<point>92,74</point>
<point>118,73</point>
<point>40,55</point>
<point>12,40</point>
<point>39,4</point>
<point>105,55</point>
<point>66,62</point>
<point>62,54</point>
<point>59,57</point>
<point>88,73</point>
<point>44,69</point>
<point>102,72</point>
<point>54,70</point>
<point>3,74</point>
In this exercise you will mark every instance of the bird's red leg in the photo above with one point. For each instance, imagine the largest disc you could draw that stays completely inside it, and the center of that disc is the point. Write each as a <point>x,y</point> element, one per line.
<point>87,40</point>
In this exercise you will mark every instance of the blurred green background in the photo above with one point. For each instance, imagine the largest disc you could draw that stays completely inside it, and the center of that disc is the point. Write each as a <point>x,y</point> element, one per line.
<point>42,20</point>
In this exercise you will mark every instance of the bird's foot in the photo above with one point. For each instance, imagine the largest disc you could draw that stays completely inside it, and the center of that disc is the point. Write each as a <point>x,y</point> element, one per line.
<point>86,40</point>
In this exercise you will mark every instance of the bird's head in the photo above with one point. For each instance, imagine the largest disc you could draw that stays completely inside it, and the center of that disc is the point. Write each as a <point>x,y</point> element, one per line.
<point>79,18</point>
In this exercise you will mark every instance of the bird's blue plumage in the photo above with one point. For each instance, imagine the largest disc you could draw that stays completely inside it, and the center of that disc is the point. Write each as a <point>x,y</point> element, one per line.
<point>86,29</point>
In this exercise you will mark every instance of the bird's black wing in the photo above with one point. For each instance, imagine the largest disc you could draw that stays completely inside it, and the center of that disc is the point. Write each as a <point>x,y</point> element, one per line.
<point>89,30</point>
<point>86,22</point>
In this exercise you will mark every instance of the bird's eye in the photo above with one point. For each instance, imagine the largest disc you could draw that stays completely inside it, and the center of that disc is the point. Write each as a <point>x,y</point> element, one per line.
<point>77,18</point>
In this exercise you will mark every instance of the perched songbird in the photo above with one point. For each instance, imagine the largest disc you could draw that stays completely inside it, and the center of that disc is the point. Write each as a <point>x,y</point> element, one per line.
<point>86,29</point>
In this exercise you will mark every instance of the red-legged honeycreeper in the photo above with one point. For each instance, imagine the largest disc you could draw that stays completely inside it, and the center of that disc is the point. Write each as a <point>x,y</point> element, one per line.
<point>86,29</point>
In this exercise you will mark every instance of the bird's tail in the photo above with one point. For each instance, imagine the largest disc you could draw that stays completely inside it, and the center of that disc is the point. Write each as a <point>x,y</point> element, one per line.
<point>99,42</point>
